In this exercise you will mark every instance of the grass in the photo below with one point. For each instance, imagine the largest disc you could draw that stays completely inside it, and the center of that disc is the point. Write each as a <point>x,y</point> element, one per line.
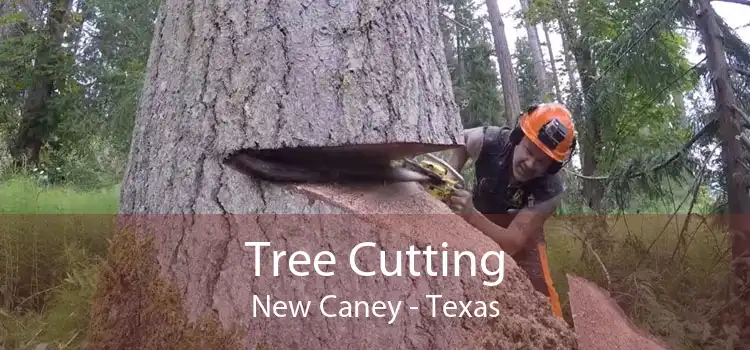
<point>51,241</point>
<point>48,267</point>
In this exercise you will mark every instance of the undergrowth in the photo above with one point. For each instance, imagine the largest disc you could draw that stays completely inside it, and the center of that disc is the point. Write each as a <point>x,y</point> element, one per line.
<point>672,282</point>
<point>51,240</point>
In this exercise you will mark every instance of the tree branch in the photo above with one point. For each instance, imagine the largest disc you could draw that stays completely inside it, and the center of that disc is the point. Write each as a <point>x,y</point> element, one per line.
<point>741,2</point>
<point>740,70</point>
<point>745,119</point>
<point>709,128</point>
<point>453,20</point>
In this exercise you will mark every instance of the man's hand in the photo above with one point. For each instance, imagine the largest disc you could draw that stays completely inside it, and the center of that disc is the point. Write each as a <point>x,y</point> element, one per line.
<point>461,202</point>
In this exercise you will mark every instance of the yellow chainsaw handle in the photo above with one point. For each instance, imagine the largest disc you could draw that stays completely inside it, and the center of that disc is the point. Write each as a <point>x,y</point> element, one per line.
<point>450,168</point>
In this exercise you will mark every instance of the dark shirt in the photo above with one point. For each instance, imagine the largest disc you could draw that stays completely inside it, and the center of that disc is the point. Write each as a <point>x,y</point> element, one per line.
<point>493,195</point>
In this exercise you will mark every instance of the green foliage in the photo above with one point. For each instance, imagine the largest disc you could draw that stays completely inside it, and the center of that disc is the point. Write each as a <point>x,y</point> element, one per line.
<point>482,104</point>
<point>117,61</point>
<point>475,79</point>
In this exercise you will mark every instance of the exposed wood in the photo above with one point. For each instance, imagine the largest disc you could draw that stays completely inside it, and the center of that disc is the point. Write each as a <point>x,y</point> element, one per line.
<point>732,155</point>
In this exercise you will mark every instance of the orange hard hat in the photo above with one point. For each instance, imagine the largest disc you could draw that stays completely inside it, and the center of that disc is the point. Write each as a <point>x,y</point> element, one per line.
<point>550,127</point>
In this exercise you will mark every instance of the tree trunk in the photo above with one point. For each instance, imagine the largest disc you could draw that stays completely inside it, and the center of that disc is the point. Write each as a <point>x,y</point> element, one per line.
<point>679,103</point>
<point>732,155</point>
<point>536,54</point>
<point>590,138</point>
<point>448,48</point>
<point>507,76</point>
<point>569,68</point>
<point>294,74</point>
<point>460,44</point>
<point>553,64</point>
<point>38,117</point>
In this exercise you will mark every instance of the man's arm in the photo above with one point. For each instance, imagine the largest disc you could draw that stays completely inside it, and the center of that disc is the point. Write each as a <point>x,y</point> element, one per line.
<point>530,220</point>
<point>473,139</point>
<point>525,224</point>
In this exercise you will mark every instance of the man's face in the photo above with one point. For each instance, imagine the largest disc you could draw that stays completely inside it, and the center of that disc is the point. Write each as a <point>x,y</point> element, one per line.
<point>529,161</point>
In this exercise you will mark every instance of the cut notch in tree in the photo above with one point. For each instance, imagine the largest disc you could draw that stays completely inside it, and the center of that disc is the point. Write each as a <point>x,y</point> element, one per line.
<point>339,164</point>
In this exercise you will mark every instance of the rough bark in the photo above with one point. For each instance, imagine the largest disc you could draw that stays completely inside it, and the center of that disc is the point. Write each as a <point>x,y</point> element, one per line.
<point>536,54</point>
<point>553,63</point>
<point>234,75</point>
<point>287,74</point>
<point>511,97</point>
<point>732,156</point>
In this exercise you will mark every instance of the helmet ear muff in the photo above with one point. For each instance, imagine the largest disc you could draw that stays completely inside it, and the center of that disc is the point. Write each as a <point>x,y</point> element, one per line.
<point>557,166</point>
<point>516,135</point>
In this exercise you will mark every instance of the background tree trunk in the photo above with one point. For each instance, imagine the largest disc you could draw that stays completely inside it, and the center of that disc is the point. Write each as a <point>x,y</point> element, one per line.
<point>553,64</point>
<point>734,160</point>
<point>508,78</point>
<point>536,55</point>
<point>289,75</point>
<point>37,117</point>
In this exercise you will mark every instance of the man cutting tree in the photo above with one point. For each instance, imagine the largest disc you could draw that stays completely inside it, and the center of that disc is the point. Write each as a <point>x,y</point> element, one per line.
<point>513,165</point>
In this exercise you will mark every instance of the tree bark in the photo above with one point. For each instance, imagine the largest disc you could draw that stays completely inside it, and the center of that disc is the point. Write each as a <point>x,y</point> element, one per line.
<point>235,75</point>
<point>507,76</point>
<point>289,75</point>
<point>536,54</point>
<point>732,154</point>
<point>553,64</point>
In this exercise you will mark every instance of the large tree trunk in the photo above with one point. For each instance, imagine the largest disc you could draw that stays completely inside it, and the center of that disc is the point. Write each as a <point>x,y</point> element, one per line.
<point>294,74</point>
<point>508,80</point>
<point>733,156</point>
<point>536,54</point>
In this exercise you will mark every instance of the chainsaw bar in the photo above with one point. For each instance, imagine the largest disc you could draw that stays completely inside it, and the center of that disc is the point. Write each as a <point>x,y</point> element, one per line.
<point>332,169</point>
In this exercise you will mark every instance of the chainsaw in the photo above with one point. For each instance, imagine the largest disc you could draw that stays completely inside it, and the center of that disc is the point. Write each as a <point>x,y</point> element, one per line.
<point>343,166</point>
<point>440,183</point>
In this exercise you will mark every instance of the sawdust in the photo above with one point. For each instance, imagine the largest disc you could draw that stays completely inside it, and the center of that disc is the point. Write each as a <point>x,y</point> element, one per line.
<point>601,324</point>
<point>526,320</point>
<point>135,308</point>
